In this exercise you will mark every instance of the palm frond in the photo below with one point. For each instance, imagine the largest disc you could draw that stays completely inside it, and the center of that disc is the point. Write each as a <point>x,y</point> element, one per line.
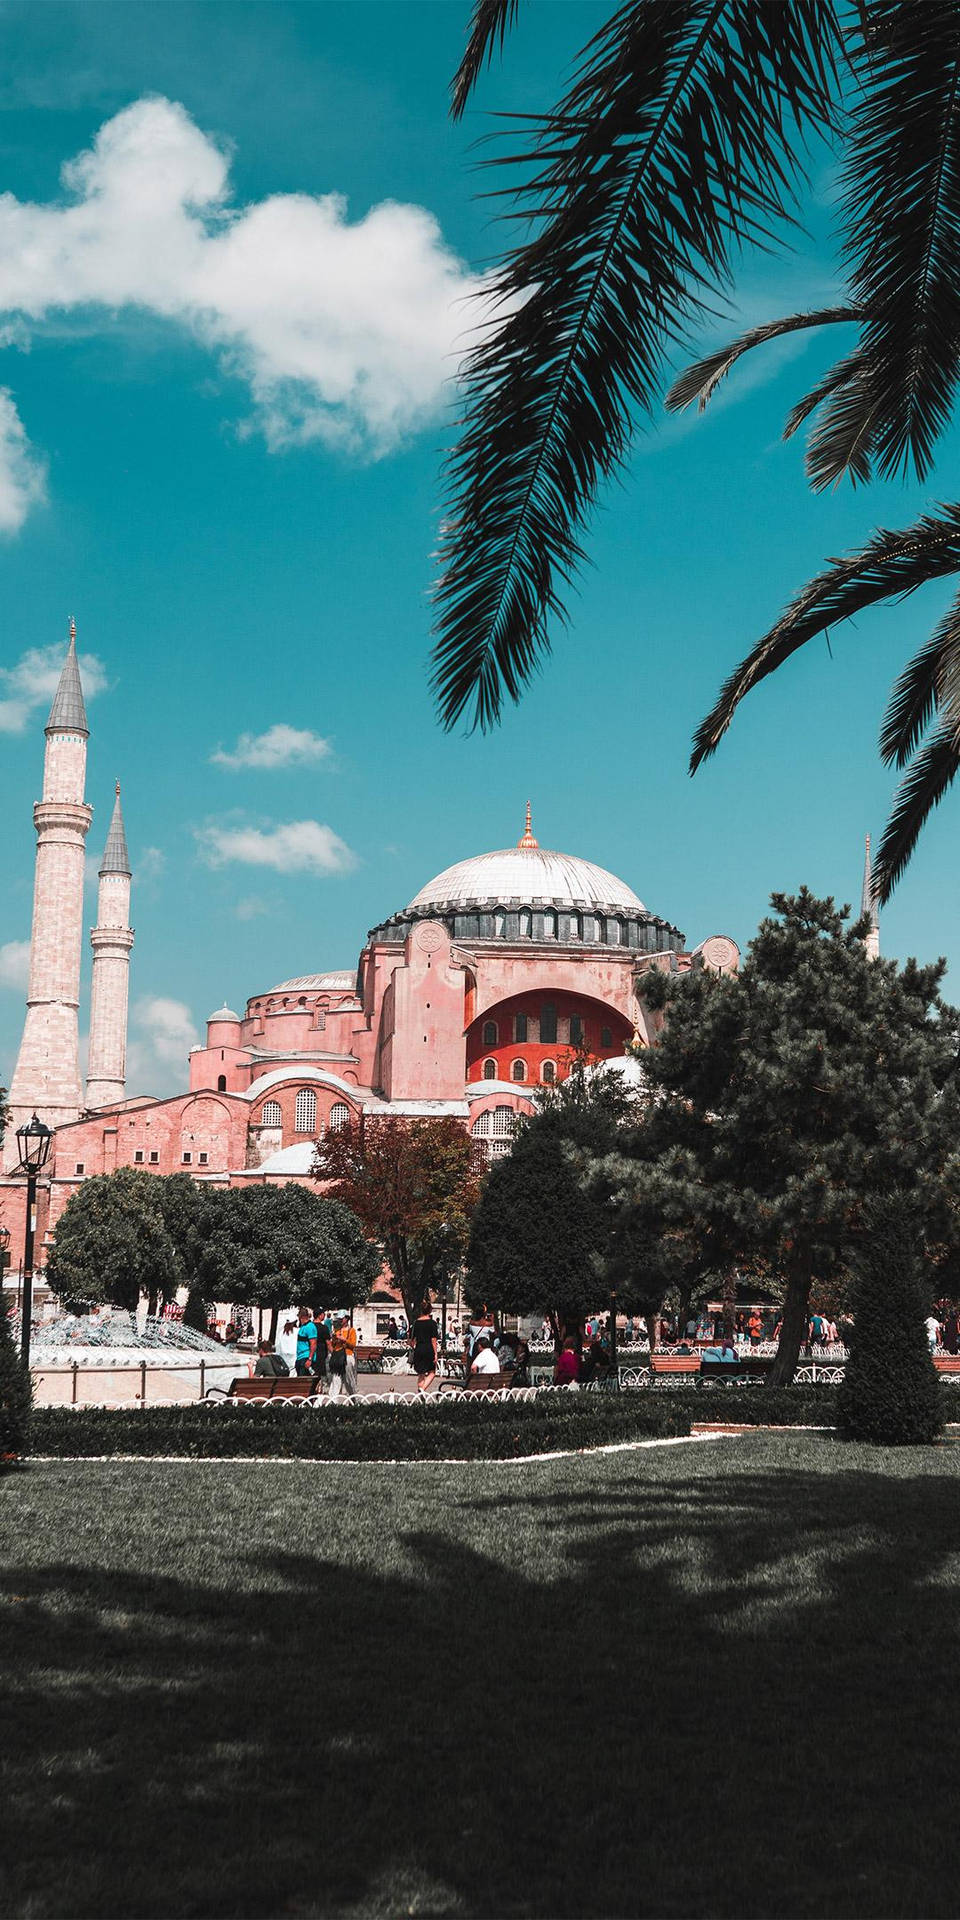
<point>922,789</point>
<point>902,222</point>
<point>928,685</point>
<point>701,381</point>
<point>676,142</point>
<point>841,440</point>
<point>835,376</point>
<point>890,566</point>
<point>492,20</point>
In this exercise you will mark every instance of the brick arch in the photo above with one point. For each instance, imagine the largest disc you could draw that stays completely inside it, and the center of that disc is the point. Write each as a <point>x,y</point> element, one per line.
<point>605,1031</point>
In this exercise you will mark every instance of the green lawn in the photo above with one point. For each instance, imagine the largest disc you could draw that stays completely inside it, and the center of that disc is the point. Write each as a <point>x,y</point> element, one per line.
<point>716,1679</point>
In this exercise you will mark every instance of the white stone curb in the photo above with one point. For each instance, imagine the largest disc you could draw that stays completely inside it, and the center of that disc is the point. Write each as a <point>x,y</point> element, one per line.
<point>285,1460</point>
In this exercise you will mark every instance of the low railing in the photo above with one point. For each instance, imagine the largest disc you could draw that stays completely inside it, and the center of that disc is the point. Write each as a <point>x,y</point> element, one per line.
<point>76,1371</point>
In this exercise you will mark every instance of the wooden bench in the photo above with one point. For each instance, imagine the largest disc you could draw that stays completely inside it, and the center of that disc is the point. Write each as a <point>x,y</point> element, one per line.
<point>479,1383</point>
<point>683,1364</point>
<point>369,1358</point>
<point>290,1386</point>
<point>947,1362</point>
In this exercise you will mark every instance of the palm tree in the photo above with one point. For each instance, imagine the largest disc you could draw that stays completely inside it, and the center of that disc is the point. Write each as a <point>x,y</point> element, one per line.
<point>680,140</point>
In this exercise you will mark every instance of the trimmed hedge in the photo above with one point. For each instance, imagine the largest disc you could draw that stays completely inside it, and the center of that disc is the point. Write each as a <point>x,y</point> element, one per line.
<point>434,1430</point>
<point>16,1396</point>
<point>757,1406</point>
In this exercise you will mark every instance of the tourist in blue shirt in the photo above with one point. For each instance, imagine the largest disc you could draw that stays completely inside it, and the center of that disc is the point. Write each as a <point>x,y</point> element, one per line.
<point>306,1341</point>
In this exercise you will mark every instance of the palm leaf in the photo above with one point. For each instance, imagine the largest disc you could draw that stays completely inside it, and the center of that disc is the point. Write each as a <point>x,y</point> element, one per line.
<point>921,790</point>
<point>675,144</point>
<point>701,381</point>
<point>491,22</point>
<point>888,567</point>
<point>902,221</point>
<point>835,376</point>
<point>841,441</point>
<point>928,685</point>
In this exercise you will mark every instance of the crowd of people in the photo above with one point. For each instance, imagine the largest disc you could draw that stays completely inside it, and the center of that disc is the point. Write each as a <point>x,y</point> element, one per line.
<point>326,1350</point>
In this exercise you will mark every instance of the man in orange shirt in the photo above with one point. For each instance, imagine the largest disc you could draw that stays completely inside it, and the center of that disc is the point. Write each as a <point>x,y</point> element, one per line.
<point>343,1358</point>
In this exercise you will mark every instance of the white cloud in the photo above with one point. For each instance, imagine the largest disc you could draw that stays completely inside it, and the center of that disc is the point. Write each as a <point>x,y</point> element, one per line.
<point>32,683</point>
<point>150,863</point>
<point>15,964</point>
<point>298,846</point>
<point>163,1033</point>
<point>280,746</point>
<point>23,472</point>
<point>344,331</point>
<point>251,908</point>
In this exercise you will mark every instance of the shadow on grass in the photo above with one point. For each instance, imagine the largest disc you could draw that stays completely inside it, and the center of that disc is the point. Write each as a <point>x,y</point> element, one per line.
<point>707,1692</point>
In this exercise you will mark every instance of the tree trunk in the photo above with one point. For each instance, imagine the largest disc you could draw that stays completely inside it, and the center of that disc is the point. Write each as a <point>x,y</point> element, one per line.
<point>274,1317</point>
<point>794,1329</point>
<point>729,1298</point>
<point>152,1305</point>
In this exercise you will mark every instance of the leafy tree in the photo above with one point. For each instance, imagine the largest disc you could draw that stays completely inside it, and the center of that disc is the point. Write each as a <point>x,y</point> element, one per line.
<point>16,1395</point>
<point>189,1209</point>
<point>788,1096</point>
<point>196,1311</point>
<point>111,1244</point>
<point>543,1234</point>
<point>680,137</point>
<point>414,1185</point>
<point>890,1393</point>
<point>274,1244</point>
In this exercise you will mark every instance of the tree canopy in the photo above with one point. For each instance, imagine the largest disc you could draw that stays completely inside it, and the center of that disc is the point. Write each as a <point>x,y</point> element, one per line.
<point>414,1184</point>
<point>787,1096</point>
<point>129,1233</point>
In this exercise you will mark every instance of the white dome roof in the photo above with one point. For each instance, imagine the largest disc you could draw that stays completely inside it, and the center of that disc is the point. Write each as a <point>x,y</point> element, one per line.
<point>531,875</point>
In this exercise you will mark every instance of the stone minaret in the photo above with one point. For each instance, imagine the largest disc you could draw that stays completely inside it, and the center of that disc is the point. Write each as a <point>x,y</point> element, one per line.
<point>868,909</point>
<point>111,939</point>
<point>46,1079</point>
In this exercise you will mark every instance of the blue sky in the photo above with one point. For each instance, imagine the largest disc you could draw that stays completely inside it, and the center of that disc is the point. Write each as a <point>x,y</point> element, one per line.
<point>225,401</point>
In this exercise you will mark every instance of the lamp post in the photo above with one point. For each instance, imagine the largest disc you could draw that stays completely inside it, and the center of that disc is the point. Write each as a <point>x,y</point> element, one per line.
<point>4,1258</point>
<point>33,1146</point>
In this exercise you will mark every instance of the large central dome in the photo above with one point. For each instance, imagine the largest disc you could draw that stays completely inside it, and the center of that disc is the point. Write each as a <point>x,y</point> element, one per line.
<point>531,875</point>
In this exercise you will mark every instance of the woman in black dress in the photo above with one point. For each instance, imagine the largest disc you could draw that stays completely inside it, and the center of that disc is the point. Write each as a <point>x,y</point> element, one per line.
<point>426,1335</point>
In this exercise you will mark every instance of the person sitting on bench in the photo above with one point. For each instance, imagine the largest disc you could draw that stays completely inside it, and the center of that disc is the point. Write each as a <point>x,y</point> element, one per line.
<point>484,1360</point>
<point>270,1365</point>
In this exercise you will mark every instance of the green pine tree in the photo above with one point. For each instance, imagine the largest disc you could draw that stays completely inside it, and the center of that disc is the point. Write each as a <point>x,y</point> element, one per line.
<point>16,1396</point>
<point>890,1393</point>
<point>196,1311</point>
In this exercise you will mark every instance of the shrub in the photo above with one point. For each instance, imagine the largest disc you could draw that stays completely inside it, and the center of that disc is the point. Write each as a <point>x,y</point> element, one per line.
<point>16,1395</point>
<point>371,1430</point>
<point>890,1392</point>
<point>757,1406</point>
<point>196,1313</point>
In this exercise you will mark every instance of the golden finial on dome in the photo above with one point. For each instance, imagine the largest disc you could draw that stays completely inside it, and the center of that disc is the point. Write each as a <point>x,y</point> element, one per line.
<point>527,838</point>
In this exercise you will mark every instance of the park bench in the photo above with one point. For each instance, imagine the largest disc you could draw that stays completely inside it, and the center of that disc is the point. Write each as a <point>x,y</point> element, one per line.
<point>947,1362</point>
<point>676,1365</point>
<point>479,1383</point>
<point>246,1386</point>
<point>369,1359</point>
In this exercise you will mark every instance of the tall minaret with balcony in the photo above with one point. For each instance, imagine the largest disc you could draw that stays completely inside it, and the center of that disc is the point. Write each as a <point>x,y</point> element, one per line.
<point>46,1079</point>
<point>868,909</point>
<point>111,939</point>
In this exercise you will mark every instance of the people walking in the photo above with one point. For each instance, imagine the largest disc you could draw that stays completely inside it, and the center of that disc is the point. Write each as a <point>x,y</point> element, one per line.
<point>343,1358</point>
<point>426,1337</point>
<point>306,1341</point>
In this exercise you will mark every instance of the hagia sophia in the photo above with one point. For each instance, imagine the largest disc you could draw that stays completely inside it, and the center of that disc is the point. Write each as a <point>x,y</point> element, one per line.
<point>482,989</point>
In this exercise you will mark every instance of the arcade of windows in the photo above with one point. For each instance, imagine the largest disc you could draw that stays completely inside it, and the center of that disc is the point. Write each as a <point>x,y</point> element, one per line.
<point>305,1117</point>
<point>493,1131</point>
<point>545,1029</point>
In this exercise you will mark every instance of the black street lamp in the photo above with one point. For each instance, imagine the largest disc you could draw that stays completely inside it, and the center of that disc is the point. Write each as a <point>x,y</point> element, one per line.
<point>33,1146</point>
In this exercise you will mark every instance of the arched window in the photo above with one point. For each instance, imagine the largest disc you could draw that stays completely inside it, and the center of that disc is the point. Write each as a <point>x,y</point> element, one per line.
<point>339,1115</point>
<point>483,1126</point>
<point>489,1069</point>
<point>548,1024</point>
<point>272,1114</point>
<point>494,1131</point>
<point>518,1071</point>
<point>606,1037</point>
<point>306,1115</point>
<point>490,1033</point>
<point>221,1083</point>
<point>548,1073</point>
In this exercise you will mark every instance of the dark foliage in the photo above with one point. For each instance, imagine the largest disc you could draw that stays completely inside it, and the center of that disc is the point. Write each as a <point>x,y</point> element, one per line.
<point>890,1393</point>
<point>433,1430</point>
<point>16,1396</point>
<point>790,1095</point>
<point>196,1312</point>
<point>676,142</point>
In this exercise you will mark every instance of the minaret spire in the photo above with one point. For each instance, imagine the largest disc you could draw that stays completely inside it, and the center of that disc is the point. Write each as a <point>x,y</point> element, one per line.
<point>46,1078</point>
<point>868,908</point>
<point>527,839</point>
<point>111,940</point>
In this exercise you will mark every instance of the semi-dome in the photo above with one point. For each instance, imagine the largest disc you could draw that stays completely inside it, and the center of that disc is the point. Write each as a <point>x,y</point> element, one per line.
<point>530,874</point>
